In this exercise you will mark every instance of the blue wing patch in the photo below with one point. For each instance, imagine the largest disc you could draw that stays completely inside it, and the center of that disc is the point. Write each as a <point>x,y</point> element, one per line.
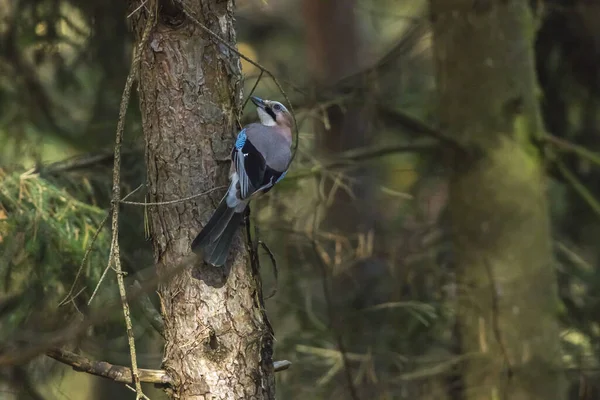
<point>241,139</point>
<point>281,177</point>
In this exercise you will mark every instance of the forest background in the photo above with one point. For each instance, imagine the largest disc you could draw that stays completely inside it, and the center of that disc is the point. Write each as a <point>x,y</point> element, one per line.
<point>435,238</point>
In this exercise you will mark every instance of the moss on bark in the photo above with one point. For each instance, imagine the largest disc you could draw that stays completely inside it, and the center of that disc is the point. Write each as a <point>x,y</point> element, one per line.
<point>508,301</point>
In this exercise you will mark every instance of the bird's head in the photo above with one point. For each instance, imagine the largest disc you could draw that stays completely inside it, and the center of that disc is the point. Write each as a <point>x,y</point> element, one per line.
<point>272,113</point>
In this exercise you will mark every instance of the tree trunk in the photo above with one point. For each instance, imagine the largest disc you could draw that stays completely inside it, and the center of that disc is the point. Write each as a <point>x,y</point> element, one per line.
<point>508,304</point>
<point>218,340</point>
<point>333,52</point>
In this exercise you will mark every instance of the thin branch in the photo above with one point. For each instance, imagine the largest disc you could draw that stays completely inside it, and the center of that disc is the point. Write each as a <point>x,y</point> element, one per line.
<point>329,304</point>
<point>367,153</point>
<point>149,311</point>
<point>274,265</point>
<point>117,373</point>
<point>415,125</point>
<point>19,353</point>
<point>142,4</point>
<point>134,191</point>
<point>166,203</point>
<point>122,374</point>
<point>579,187</point>
<point>362,154</point>
<point>252,248</point>
<point>253,88</point>
<point>77,162</point>
<point>581,151</point>
<point>108,265</point>
<point>86,255</point>
<point>256,64</point>
<point>144,397</point>
<point>114,257</point>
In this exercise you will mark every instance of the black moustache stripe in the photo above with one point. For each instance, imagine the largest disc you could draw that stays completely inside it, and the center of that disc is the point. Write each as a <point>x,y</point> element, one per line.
<point>269,111</point>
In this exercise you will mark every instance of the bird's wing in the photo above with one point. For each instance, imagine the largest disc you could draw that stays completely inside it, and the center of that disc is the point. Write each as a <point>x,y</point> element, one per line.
<point>249,164</point>
<point>253,173</point>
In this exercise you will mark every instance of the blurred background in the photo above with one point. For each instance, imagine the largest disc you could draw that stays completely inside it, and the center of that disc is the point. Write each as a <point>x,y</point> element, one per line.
<point>378,283</point>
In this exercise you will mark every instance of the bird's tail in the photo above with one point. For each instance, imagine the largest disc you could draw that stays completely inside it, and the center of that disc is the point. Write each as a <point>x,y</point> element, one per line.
<point>214,240</point>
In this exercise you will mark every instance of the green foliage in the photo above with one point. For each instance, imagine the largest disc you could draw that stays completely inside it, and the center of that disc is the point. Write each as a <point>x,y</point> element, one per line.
<point>44,233</point>
<point>63,65</point>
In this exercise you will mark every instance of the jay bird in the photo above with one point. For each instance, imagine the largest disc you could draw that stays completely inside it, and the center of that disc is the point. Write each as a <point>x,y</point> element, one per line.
<point>260,158</point>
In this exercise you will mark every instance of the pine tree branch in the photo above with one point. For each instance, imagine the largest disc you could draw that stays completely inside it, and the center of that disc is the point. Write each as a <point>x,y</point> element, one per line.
<point>120,373</point>
<point>117,373</point>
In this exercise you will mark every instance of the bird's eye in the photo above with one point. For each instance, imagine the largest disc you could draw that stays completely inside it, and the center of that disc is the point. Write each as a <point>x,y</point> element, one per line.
<point>277,107</point>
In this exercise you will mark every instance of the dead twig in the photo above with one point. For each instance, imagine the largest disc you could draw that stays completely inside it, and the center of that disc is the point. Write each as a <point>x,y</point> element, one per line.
<point>149,310</point>
<point>78,162</point>
<point>564,145</point>
<point>134,191</point>
<point>253,88</point>
<point>274,265</point>
<point>256,64</point>
<point>578,186</point>
<point>25,348</point>
<point>69,297</point>
<point>176,201</point>
<point>349,158</point>
<point>114,257</point>
<point>122,374</point>
<point>116,373</point>
<point>321,256</point>
<point>142,4</point>
<point>252,247</point>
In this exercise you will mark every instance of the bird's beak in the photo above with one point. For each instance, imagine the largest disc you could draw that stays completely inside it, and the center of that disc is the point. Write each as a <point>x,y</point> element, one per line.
<point>258,102</point>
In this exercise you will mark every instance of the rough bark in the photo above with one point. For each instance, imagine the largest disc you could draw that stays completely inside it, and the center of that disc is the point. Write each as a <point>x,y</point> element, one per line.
<point>218,341</point>
<point>498,206</point>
